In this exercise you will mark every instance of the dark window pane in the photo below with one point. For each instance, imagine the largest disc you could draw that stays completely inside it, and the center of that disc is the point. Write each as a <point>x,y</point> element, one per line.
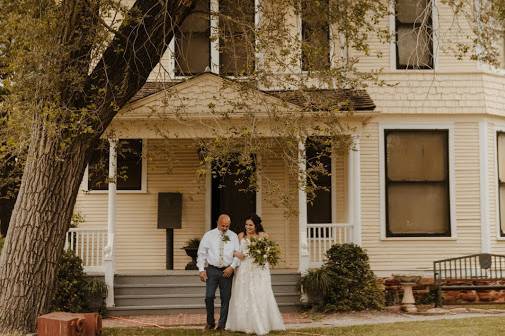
<point>237,44</point>
<point>192,41</point>
<point>502,208</point>
<point>500,156</point>
<point>412,11</point>
<point>98,169</point>
<point>318,155</point>
<point>129,166</point>
<point>315,35</point>
<point>414,48</point>
<point>418,156</point>
<point>418,208</point>
<point>414,36</point>
<point>417,183</point>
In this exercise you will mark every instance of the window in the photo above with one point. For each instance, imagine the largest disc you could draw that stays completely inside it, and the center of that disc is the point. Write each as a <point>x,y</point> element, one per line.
<point>500,137</point>
<point>414,34</point>
<point>417,183</point>
<point>129,166</point>
<point>236,39</point>
<point>315,35</point>
<point>192,41</point>
<point>318,156</point>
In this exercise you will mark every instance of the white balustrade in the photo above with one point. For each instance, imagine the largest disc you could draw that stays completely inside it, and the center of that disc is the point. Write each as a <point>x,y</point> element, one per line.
<point>321,237</point>
<point>89,245</point>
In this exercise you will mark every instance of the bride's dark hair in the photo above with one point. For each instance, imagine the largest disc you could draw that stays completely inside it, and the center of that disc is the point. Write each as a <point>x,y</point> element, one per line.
<point>257,223</point>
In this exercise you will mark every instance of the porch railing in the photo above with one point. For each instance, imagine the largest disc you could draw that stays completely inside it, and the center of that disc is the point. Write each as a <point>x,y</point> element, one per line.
<point>321,237</point>
<point>88,244</point>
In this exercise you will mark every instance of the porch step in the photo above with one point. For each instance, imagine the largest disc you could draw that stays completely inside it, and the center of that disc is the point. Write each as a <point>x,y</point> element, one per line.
<point>182,291</point>
<point>167,289</point>
<point>188,277</point>
<point>186,299</point>
<point>176,309</point>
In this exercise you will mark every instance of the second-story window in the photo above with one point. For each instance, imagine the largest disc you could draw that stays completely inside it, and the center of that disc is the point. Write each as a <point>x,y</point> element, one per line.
<point>414,34</point>
<point>192,41</point>
<point>315,35</point>
<point>236,37</point>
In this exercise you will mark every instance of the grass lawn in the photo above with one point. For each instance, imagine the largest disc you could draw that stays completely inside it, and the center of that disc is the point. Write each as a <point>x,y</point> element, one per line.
<point>484,326</point>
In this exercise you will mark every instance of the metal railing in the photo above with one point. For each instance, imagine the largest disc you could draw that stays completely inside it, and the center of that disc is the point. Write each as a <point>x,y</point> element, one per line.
<point>322,236</point>
<point>89,245</point>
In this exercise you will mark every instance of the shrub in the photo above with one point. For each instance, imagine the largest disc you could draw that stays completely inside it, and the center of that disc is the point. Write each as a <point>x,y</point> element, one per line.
<point>345,282</point>
<point>73,292</point>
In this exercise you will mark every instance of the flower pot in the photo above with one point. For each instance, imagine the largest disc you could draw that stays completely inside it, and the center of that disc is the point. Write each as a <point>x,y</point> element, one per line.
<point>193,254</point>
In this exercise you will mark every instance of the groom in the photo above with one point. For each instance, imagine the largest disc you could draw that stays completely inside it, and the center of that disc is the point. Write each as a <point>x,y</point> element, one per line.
<point>216,252</point>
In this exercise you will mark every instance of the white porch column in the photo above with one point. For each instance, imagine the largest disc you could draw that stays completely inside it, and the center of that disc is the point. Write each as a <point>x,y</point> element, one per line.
<point>354,189</point>
<point>303,249</point>
<point>108,260</point>
<point>484,189</point>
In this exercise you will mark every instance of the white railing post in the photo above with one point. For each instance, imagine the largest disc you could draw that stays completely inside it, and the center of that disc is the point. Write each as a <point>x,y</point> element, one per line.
<point>321,236</point>
<point>108,260</point>
<point>303,249</point>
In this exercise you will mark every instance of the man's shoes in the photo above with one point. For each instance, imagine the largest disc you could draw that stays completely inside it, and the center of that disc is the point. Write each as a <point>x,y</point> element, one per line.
<point>209,326</point>
<point>220,328</point>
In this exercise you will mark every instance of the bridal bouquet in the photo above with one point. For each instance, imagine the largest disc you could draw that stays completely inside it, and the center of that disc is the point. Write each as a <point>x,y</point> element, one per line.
<point>263,250</point>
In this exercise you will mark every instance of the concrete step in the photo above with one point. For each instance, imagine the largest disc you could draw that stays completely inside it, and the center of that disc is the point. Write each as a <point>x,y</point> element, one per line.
<point>164,289</point>
<point>185,299</point>
<point>182,291</point>
<point>177,309</point>
<point>189,277</point>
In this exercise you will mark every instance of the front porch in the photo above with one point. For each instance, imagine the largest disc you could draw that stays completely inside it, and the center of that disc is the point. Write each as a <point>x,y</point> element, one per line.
<point>127,228</point>
<point>116,250</point>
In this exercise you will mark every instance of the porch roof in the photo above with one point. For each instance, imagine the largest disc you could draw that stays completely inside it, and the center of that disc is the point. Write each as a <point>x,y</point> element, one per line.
<point>310,100</point>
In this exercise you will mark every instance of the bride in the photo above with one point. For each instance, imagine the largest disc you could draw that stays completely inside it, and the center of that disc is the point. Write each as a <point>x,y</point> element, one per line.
<point>253,308</point>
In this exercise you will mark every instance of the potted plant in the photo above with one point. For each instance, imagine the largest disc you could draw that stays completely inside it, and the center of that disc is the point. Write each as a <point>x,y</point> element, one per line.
<point>191,249</point>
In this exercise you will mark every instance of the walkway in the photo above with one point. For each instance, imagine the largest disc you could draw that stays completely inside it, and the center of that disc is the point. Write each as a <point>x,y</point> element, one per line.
<point>295,320</point>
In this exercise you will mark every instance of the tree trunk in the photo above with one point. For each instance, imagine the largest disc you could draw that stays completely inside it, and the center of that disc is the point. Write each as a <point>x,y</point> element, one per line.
<point>55,166</point>
<point>37,230</point>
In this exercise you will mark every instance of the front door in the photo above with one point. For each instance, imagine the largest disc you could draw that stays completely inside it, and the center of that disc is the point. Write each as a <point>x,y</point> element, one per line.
<point>231,195</point>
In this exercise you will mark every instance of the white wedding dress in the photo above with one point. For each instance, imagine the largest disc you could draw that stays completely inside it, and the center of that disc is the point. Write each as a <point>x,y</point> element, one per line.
<point>253,308</point>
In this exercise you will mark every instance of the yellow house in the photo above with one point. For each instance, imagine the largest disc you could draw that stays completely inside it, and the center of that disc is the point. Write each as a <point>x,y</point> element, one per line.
<point>424,179</point>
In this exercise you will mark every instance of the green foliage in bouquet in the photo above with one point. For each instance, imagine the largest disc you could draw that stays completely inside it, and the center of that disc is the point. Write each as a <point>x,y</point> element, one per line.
<point>345,282</point>
<point>264,250</point>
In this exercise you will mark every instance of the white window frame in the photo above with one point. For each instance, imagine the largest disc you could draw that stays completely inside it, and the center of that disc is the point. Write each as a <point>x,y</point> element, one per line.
<point>498,128</point>
<point>452,176</point>
<point>392,43</point>
<point>143,186</point>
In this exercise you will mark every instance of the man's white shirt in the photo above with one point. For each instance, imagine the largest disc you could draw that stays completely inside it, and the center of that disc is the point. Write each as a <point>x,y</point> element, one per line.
<point>209,251</point>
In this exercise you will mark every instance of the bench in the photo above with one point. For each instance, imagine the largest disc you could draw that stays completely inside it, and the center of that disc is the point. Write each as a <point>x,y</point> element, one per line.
<point>472,272</point>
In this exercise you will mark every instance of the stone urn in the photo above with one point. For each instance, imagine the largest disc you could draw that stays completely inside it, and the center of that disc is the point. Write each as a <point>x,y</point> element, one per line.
<point>191,250</point>
<point>407,282</point>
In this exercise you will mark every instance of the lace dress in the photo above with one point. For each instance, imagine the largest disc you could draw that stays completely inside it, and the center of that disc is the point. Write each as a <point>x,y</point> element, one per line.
<point>253,308</point>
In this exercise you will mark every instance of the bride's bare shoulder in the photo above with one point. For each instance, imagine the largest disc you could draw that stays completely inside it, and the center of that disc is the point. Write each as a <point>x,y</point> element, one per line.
<point>241,236</point>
